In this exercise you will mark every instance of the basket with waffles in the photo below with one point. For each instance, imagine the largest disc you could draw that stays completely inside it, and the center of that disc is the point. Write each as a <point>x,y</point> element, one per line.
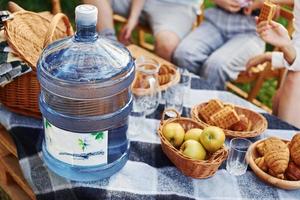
<point>167,76</point>
<point>234,120</point>
<point>193,167</point>
<point>277,161</point>
<point>27,34</point>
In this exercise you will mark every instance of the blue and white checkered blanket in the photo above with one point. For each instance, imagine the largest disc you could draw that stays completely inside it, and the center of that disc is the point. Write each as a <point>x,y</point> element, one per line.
<point>148,174</point>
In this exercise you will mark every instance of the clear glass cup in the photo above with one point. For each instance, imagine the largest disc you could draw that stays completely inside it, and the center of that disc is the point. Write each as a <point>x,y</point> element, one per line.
<point>236,163</point>
<point>174,99</point>
<point>175,95</point>
<point>145,91</point>
<point>185,77</point>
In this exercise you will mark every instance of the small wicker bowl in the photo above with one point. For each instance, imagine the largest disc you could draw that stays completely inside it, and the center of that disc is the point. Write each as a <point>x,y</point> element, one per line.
<point>252,154</point>
<point>259,123</point>
<point>175,78</point>
<point>188,166</point>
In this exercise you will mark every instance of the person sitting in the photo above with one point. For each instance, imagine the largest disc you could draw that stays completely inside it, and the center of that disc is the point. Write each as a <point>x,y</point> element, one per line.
<point>221,46</point>
<point>286,100</point>
<point>170,20</point>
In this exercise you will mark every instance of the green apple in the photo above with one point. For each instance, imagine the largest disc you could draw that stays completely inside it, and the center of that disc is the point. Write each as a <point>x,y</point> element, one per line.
<point>174,133</point>
<point>193,149</point>
<point>193,134</point>
<point>212,138</point>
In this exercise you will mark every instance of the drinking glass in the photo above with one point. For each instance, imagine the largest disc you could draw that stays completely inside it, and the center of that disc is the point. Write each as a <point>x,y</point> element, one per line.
<point>174,99</point>
<point>176,94</point>
<point>145,91</point>
<point>236,163</point>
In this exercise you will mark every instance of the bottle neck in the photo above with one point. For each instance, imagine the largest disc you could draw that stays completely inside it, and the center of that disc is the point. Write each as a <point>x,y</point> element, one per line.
<point>85,33</point>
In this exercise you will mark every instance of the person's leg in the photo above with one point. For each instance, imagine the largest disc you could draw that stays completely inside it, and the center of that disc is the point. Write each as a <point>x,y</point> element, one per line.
<point>228,61</point>
<point>166,43</point>
<point>288,104</point>
<point>194,50</point>
<point>170,22</point>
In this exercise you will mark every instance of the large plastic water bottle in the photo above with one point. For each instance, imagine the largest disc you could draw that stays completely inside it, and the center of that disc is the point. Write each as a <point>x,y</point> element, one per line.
<point>85,101</point>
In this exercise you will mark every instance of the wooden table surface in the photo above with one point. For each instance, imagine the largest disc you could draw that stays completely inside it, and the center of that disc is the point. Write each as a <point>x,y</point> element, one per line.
<point>137,51</point>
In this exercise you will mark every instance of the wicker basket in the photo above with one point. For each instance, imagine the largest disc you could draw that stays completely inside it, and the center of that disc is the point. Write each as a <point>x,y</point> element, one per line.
<point>27,34</point>
<point>174,78</point>
<point>190,167</point>
<point>259,123</point>
<point>284,184</point>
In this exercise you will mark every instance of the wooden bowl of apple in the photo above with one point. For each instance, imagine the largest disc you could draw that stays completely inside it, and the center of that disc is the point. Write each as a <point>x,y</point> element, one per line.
<point>195,151</point>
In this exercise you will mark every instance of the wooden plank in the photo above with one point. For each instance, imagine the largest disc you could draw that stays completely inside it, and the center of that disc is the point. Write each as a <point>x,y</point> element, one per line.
<point>3,177</point>
<point>15,192</point>
<point>243,94</point>
<point>119,18</point>
<point>11,165</point>
<point>8,183</point>
<point>7,141</point>
<point>137,51</point>
<point>142,42</point>
<point>3,151</point>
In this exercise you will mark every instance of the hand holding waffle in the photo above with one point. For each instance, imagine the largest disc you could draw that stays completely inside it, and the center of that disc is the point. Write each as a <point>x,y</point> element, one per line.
<point>274,33</point>
<point>270,31</point>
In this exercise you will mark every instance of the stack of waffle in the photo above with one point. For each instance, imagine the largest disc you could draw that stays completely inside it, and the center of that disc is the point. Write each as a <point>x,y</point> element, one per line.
<point>224,116</point>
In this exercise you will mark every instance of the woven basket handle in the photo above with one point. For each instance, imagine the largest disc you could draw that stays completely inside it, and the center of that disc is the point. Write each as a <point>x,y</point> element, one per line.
<point>13,7</point>
<point>54,22</point>
<point>169,110</point>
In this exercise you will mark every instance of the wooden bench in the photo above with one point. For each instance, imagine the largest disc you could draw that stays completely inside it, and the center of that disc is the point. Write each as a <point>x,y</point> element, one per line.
<point>11,177</point>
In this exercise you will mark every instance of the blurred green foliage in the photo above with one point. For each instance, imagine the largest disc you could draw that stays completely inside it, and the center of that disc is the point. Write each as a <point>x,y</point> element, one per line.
<point>68,6</point>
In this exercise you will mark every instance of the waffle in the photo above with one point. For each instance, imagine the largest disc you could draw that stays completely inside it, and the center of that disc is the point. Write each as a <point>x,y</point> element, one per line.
<point>243,125</point>
<point>209,109</point>
<point>225,117</point>
<point>267,12</point>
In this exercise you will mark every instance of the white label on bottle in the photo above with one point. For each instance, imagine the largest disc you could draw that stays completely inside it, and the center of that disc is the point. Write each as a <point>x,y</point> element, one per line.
<point>82,149</point>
